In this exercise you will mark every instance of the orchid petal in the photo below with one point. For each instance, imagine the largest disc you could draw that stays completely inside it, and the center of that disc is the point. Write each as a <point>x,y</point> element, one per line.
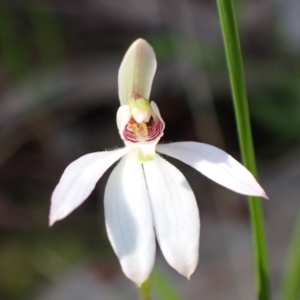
<point>156,111</point>
<point>175,214</point>
<point>78,181</point>
<point>129,220</point>
<point>136,71</point>
<point>123,116</point>
<point>216,165</point>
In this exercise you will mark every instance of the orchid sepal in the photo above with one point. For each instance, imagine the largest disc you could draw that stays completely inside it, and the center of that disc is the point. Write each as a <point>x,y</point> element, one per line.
<point>137,71</point>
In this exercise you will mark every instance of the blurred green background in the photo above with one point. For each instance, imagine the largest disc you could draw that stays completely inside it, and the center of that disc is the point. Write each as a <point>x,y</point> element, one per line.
<point>58,100</point>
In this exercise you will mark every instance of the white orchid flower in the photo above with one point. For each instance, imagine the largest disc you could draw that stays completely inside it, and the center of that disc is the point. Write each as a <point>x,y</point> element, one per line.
<point>145,195</point>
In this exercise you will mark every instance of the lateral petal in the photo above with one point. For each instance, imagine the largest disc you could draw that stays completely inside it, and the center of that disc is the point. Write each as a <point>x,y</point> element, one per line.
<point>175,215</point>
<point>128,219</point>
<point>123,116</point>
<point>216,165</point>
<point>136,71</point>
<point>78,181</point>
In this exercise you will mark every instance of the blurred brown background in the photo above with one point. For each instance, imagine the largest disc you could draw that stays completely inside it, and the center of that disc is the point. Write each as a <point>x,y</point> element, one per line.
<point>58,100</point>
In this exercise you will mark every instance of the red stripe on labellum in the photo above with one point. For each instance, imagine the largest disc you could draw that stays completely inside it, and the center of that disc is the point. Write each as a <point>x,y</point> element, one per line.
<point>143,132</point>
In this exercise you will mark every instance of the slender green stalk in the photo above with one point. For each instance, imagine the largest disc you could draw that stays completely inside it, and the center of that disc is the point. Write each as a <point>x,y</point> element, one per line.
<point>145,290</point>
<point>163,286</point>
<point>290,287</point>
<point>238,87</point>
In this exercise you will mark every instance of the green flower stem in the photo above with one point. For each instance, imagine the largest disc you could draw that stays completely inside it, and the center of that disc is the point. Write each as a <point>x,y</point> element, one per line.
<point>145,290</point>
<point>238,87</point>
<point>291,281</point>
<point>164,288</point>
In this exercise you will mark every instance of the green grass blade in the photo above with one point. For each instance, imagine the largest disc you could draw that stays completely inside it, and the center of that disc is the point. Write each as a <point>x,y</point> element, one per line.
<point>238,87</point>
